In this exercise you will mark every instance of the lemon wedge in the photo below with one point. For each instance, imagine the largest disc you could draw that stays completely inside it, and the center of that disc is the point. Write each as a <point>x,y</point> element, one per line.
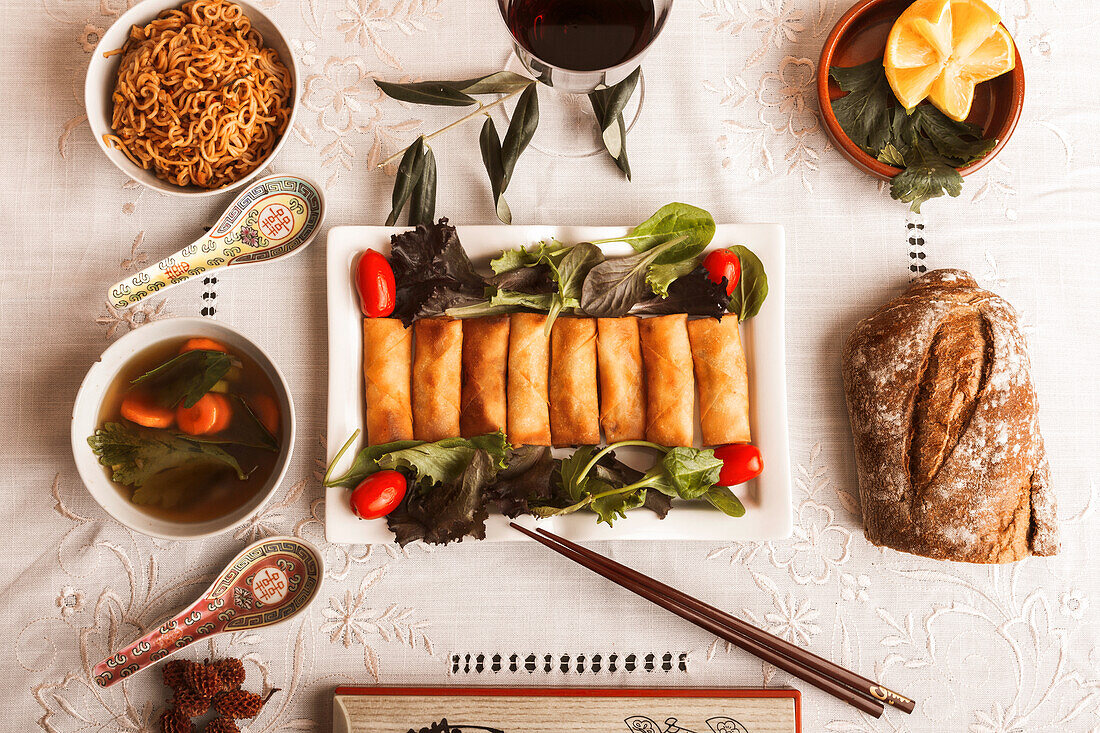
<point>940,49</point>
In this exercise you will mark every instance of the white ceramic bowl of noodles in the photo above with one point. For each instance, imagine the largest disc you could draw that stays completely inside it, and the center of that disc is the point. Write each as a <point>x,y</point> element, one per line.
<point>87,417</point>
<point>99,84</point>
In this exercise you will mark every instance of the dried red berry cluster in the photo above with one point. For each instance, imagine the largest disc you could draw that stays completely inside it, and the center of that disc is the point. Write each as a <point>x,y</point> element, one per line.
<point>198,687</point>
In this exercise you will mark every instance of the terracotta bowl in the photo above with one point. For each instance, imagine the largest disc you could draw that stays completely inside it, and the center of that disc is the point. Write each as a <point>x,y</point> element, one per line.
<point>860,36</point>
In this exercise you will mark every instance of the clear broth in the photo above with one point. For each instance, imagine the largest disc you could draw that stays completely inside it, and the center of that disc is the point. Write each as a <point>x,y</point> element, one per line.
<point>209,492</point>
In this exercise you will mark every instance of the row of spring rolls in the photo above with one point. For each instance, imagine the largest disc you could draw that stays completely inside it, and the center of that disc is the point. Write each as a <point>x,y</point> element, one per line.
<point>634,378</point>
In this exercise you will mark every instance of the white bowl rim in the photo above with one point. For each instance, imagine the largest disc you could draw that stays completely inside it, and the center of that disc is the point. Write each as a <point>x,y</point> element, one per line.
<point>143,12</point>
<point>94,476</point>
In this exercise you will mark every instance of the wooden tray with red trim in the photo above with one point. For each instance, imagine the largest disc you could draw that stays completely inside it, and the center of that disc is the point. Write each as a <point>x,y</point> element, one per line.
<point>553,710</point>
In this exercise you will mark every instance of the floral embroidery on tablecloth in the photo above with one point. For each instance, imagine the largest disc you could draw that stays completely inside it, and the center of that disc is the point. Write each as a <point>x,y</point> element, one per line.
<point>351,621</point>
<point>365,22</point>
<point>346,101</point>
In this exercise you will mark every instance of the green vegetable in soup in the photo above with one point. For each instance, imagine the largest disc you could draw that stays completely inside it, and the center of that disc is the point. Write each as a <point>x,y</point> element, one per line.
<point>187,377</point>
<point>136,455</point>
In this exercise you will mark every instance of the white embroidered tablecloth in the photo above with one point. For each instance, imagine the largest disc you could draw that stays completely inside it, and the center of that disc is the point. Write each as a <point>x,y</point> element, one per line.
<point>729,123</point>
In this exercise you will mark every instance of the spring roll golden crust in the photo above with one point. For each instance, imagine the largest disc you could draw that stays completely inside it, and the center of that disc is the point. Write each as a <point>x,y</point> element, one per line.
<point>670,386</point>
<point>723,380</point>
<point>528,371</point>
<point>387,365</point>
<point>622,379</point>
<point>437,378</point>
<point>484,376</point>
<point>574,396</point>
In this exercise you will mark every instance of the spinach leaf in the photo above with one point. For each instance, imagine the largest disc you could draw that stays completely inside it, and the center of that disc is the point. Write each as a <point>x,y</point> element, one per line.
<point>187,377</point>
<point>505,301</point>
<point>691,226</point>
<point>752,288</point>
<point>444,460</point>
<point>724,500</point>
<point>570,275</point>
<point>446,512</point>
<point>691,471</point>
<point>135,456</point>
<point>614,286</point>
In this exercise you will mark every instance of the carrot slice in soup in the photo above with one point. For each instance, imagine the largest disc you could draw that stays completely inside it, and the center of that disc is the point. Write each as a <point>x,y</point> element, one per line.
<point>140,407</point>
<point>211,414</point>
<point>203,344</point>
<point>266,411</point>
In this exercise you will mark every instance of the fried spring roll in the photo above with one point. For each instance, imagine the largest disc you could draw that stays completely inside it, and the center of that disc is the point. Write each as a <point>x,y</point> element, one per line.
<point>723,380</point>
<point>387,365</point>
<point>670,387</point>
<point>528,371</point>
<point>622,379</point>
<point>574,397</point>
<point>484,376</point>
<point>437,378</point>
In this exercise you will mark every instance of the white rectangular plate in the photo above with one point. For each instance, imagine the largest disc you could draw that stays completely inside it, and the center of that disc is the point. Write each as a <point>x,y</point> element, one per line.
<point>767,499</point>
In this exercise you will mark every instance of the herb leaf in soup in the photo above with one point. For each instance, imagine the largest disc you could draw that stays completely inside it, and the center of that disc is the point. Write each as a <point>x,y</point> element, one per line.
<point>135,455</point>
<point>245,429</point>
<point>187,377</point>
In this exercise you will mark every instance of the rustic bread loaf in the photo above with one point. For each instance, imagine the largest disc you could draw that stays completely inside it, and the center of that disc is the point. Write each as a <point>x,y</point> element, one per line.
<point>950,459</point>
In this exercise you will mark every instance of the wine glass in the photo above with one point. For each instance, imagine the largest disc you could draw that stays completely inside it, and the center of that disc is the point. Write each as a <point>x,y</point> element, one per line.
<point>578,46</point>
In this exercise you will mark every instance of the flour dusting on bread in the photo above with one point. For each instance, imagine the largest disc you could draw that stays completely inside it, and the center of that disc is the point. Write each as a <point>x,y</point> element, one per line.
<point>944,415</point>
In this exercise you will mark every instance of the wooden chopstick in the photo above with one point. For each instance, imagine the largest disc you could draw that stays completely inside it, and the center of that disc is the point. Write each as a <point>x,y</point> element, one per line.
<point>795,665</point>
<point>797,653</point>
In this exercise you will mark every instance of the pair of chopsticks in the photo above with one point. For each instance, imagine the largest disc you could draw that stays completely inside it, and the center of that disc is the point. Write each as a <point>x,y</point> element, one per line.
<point>843,684</point>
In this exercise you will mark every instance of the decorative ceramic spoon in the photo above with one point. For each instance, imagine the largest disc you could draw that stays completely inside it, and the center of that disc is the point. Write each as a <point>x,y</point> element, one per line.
<point>268,582</point>
<point>273,217</point>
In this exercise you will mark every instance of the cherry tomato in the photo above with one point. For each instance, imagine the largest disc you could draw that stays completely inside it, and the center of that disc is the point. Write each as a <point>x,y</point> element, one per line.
<point>374,281</point>
<point>378,494</point>
<point>740,462</point>
<point>723,263</point>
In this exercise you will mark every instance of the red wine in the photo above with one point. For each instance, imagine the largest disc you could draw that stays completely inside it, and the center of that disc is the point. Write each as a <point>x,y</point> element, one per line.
<point>582,35</point>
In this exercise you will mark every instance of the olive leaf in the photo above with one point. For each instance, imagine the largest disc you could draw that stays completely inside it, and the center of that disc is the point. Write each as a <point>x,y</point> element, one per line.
<point>500,158</point>
<point>422,205</point>
<point>438,93</point>
<point>752,288</point>
<point>525,119</point>
<point>494,166</point>
<point>502,82</point>
<point>608,105</point>
<point>408,174</point>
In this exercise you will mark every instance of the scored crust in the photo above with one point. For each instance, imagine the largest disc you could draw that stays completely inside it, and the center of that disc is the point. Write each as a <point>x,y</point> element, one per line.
<point>950,459</point>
